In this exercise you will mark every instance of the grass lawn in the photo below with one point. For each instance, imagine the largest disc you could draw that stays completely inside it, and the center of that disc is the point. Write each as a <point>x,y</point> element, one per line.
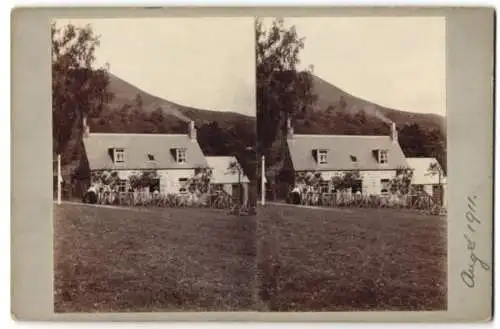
<point>285,259</point>
<point>350,259</point>
<point>122,260</point>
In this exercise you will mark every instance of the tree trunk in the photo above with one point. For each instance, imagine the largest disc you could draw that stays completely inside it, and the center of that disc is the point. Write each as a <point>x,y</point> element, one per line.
<point>283,132</point>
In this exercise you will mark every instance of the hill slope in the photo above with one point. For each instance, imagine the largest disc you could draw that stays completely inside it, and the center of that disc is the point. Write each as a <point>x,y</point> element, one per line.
<point>335,112</point>
<point>133,110</point>
<point>338,112</point>
<point>126,94</point>
<point>230,133</point>
<point>330,95</point>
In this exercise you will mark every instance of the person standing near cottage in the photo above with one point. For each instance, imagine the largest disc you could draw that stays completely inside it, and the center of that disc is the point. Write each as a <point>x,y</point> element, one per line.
<point>91,196</point>
<point>295,195</point>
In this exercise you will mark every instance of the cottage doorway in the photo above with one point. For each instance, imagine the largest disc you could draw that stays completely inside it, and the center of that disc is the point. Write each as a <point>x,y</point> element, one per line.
<point>236,192</point>
<point>155,185</point>
<point>357,186</point>
<point>437,194</point>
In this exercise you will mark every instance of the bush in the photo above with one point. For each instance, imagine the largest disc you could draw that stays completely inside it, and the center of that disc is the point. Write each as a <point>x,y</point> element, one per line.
<point>90,197</point>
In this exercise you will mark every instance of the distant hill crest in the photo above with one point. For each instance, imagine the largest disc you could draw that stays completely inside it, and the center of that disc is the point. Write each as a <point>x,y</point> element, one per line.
<point>328,96</point>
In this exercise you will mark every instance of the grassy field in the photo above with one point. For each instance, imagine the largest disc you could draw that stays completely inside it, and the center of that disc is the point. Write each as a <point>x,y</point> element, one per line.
<point>285,259</point>
<point>350,259</point>
<point>152,260</point>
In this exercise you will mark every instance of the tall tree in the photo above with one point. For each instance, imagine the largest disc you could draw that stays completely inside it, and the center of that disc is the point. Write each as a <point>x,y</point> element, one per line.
<point>78,88</point>
<point>412,139</point>
<point>282,89</point>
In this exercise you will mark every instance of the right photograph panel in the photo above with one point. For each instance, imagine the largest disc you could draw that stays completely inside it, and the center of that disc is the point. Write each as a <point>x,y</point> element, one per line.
<point>351,125</point>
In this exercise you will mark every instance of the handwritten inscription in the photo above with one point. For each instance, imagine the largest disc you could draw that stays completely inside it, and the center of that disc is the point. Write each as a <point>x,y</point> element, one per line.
<point>468,275</point>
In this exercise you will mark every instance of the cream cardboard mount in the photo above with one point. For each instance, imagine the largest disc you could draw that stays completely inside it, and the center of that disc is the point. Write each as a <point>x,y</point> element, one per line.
<point>168,211</point>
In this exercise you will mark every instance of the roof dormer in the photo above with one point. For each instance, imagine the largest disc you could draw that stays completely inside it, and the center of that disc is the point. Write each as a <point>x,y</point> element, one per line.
<point>320,156</point>
<point>179,154</point>
<point>381,156</point>
<point>117,155</point>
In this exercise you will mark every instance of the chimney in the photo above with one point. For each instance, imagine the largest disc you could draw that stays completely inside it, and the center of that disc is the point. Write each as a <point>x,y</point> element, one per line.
<point>289,129</point>
<point>394,132</point>
<point>85,126</point>
<point>192,131</point>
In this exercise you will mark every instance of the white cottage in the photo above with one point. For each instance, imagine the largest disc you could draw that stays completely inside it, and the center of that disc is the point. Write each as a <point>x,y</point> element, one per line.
<point>376,158</point>
<point>173,157</point>
<point>227,175</point>
<point>428,176</point>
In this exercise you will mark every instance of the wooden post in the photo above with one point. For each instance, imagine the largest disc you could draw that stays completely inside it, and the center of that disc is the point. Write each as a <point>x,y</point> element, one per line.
<point>240,187</point>
<point>262,181</point>
<point>59,179</point>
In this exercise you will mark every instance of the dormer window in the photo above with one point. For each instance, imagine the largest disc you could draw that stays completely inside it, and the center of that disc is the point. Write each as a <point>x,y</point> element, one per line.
<point>119,155</point>
<point>180,155</point>
<point>151,157</point>
<point>354,158</point>
<point>322,156</point>
<point>382,156</point>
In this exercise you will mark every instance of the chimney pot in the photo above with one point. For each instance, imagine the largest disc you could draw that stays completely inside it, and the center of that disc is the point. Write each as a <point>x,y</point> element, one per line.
<point>85,126</point>
<point>289,128</point>
<point>394,132</point>
<point>192,131</point>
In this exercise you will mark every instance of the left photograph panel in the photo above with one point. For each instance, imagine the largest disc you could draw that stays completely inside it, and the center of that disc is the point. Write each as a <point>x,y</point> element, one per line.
<point>154,164</point>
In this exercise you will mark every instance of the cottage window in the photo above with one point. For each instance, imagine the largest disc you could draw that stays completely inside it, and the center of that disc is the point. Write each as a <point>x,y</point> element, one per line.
<point>122,185</point>
<point>119,155</point>
<point>180,155</point>
<point>357,186</point>
<point>154,185</point>
<point>322,157</point>
<point>324,187</point>
<point>183,185</point>
<point>218,187</point>
<point>382,156</point>
<point>385,184</point>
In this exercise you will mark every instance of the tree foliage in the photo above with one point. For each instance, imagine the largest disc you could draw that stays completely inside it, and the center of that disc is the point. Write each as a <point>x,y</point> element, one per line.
<point>77,86</point>
<point>104,178</point>
<point>235,168</point>
<point>143,179</point>
<point>346,180</point>
<point>402,181</point>
<point>200,183</point>
<point>309,178</point>
<point>435,170</point>
<point>282,88</point>
<point>416,141</point>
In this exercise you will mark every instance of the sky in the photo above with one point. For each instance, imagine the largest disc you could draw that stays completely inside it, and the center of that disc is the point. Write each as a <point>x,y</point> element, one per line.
<point>397,62</point>
<point>207,63</point>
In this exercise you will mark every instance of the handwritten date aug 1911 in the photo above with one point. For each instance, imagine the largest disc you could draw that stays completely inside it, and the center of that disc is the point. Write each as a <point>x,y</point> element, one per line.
<point>468,275</point>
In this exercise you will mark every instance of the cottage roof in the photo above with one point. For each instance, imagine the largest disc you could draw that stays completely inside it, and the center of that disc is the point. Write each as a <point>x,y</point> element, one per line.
<point>345,152</point>
<point>421,174</point>
<point>142,151</point>
<point>220,170</point>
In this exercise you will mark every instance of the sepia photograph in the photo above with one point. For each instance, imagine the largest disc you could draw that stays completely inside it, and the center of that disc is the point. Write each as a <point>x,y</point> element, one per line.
<point>252,164</point>
<point>301,169</point>
<point>154,164</point>
<point>351,126</point>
